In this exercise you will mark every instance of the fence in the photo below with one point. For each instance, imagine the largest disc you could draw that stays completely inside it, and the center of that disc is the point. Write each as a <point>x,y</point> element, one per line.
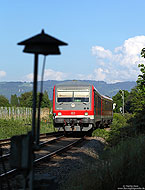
<point>18,121</point>
<point>21,113</point>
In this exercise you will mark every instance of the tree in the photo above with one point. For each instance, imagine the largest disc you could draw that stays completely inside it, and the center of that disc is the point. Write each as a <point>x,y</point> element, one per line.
<point>4,102</point>
<point>141,79</point>
<point>118,100</point>
<point>45,100</point>
<point>26,100</point>
<point>141,85</point>
<point>14,100</point>
<point>139,100</point>
<point>135,101</point>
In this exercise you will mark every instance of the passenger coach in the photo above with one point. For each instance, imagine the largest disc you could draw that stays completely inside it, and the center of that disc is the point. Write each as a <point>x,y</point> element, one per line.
<point>78,106</point>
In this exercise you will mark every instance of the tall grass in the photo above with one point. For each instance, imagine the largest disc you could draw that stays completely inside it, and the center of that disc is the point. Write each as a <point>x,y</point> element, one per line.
<point>118,166</point>
<point>17,121</point>
<point>11,127</point>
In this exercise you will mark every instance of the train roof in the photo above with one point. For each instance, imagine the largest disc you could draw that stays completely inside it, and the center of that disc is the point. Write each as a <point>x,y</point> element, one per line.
<point>73,83</point>
<point>79,84</point>
<point>106,97</point>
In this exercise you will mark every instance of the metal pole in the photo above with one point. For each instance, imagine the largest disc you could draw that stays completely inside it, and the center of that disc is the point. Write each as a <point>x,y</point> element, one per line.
<point>34,96</point>
<point>39,106</point>
<point>31,173</point>
<point>38,121</point>
<point>123,100</point>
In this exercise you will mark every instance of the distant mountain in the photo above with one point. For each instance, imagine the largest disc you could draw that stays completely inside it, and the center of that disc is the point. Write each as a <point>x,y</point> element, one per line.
<point>9,88</point>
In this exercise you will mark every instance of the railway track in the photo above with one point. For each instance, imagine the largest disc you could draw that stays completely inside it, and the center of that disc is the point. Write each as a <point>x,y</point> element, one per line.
<point>43,136</point>
<point>49,149</point>
<point>4,142</point>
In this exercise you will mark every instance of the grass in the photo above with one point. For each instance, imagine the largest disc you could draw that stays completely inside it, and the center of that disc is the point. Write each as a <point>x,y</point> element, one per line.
<point>120,130</point>
<point>101,133</point>
<point>11,127</point>
<point>121,165</point>
<point>117,166</point>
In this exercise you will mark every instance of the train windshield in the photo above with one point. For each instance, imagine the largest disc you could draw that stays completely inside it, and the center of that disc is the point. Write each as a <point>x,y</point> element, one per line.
<point>73,96</point>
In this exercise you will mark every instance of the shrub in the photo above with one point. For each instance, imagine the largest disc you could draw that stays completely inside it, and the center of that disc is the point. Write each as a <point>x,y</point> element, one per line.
<point>11,127</point>
<point>101,133</point>
<point>120,130</point>
<point>118,121</point>
<point>117,166</point>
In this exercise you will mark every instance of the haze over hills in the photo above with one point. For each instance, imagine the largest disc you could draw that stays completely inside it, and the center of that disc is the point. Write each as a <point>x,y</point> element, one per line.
<point>9,88</point>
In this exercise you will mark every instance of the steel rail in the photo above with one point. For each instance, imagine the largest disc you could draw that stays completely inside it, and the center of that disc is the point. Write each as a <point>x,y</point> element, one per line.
<point>43,135</point>
<point>6,156</point>
<point>56,152</point>
<point>48,156</point>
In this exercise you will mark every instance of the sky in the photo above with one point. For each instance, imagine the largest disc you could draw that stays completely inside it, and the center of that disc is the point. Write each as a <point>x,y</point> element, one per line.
<point>105,38</point>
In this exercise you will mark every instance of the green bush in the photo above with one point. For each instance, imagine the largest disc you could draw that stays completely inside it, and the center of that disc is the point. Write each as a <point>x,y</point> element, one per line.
<point>101,133</point>
<point>11,127</point>
<point>117,166</point>
<point>118,121</point>
<point>125,163</point>
<point>138,122</point>
<point>120,130</point>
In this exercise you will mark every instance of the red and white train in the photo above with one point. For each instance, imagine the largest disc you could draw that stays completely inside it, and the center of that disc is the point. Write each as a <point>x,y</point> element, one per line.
<point>78,106</point>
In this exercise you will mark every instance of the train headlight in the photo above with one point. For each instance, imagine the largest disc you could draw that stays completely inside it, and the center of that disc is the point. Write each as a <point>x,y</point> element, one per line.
<point>86,113</point>
<point>59,113</point>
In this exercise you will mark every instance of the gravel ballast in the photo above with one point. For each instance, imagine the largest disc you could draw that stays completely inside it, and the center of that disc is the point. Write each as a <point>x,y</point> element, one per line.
<point>54,174</point>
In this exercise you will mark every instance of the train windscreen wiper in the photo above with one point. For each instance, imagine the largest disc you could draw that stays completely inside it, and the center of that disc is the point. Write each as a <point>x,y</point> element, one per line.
<point>60,103</point>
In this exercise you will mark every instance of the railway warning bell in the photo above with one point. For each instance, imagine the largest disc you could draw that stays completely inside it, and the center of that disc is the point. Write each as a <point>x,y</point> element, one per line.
<point>46,45</point>
<point>42,44</point>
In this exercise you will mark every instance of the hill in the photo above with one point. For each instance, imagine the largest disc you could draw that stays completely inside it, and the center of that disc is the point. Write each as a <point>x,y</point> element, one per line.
<point>9,88</point>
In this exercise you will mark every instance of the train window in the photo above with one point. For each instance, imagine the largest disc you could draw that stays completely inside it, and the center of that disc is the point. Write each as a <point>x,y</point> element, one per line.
<point>64,96</point>
<point>81,99</point>
<point>73,96</point>
<point>80,96</point>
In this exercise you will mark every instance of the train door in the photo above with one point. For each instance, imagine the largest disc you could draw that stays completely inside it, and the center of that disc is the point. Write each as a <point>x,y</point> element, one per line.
<point>99,105</point>
<point>95,106</point>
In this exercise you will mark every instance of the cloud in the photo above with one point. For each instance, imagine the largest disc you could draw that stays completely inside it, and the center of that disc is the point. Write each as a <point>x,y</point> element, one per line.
<point>54,75</point>
<point>101,52</point>
<point>2,74</point>
<point>29,77</point>
<point>99,74</point>
<point>122,63</point>
<point>49,74</point>
<point>118,65</point>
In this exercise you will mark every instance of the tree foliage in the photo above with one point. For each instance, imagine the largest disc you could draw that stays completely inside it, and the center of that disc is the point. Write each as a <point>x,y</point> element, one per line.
<point>45,100</point>
<point>4,102</point>
<point>14,100</point>
<point>26,100</point>
<point>135,100</point>
<point>118,100</point>
<point>140,96</point>
<point>141,80</point>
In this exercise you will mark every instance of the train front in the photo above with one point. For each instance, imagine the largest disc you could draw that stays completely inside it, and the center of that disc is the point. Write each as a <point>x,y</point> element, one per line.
<point>73,108</point>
